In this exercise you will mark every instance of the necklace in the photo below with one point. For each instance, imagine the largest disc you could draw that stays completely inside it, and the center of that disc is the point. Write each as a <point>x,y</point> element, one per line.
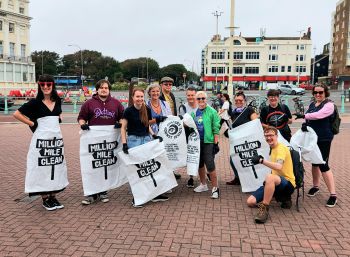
<point>155,106</point>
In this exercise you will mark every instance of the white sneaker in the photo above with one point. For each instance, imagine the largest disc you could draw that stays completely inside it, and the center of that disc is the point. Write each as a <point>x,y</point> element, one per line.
<point>215,193</point>
<point>201,188</point>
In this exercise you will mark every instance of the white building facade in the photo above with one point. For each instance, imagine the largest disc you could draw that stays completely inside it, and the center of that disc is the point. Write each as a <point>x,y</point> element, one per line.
<point>256,61</point>
<point>17,71</point>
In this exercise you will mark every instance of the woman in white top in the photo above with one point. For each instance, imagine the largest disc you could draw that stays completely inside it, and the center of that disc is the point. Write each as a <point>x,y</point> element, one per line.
<point>224,112</point>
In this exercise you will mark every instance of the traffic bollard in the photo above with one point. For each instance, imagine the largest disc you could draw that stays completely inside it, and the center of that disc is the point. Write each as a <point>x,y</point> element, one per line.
<point>6,109</point>
<point>342,107</point>
<point>75,104</point>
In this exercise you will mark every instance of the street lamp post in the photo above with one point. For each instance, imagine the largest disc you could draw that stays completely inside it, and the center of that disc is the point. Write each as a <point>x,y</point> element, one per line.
<point>217,15</point>
<point>147,65</point>
<point>313,67</point>
<point>82,63</point>
<point>224,66</point>
<point>300,31</point>
<point>42,63</point>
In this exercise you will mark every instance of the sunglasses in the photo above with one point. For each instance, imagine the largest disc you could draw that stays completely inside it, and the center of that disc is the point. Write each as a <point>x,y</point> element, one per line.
<point>43,84</point>
<point>167,84</point>
<point>201,98</point>
<point>318,92</point>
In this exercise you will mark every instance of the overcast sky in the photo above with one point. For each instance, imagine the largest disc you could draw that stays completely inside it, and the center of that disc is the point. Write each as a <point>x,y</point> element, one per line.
<point>169,31</point>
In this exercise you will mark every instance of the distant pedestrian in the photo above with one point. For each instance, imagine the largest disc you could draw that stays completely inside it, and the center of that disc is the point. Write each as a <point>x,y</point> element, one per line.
<point>46,104</point>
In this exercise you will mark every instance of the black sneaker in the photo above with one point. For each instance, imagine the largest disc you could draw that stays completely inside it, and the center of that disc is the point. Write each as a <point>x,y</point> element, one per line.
<point>49,205</point>
<point>177,175</point>
<point>332,201</point>
<point>160,198</point>
<point>190,183</point>
<point>56,203</point>
<point>313,191</point>
<point>286,204</point>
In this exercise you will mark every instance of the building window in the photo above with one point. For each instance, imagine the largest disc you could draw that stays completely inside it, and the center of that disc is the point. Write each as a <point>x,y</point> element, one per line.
<point>252,55</point>
<point>273,68</point>
<point>300,58</point>
<point>21,10</point>
<point>252,70</point>
<point>217,55</point>
<point>300,69</point>
<point>23,50</point>
<point>289,69</point>
<point>283,68</point>
<point>236,42</point>
<point>1,50</point>
<point>300,47</point>
<point>11,27</point>
<point>273,57</point>
<point>12,49</point>
<point>0,25</point>
<point>217,70</point>
<point>273,47</point>
<point>237,70</point>
<point>237,55</point>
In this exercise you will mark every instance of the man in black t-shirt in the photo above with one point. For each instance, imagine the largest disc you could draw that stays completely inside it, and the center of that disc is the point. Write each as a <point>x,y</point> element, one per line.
<point>276,115</point>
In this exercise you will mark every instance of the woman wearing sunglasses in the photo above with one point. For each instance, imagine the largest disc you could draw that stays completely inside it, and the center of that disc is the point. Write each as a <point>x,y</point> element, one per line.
<point>208,124</point>
<point>319,117</point>
<point>240,115</point>
<point>46,104</point>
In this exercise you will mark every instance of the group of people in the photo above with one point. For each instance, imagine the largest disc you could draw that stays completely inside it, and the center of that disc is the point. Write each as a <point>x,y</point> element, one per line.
<point>140,121</point>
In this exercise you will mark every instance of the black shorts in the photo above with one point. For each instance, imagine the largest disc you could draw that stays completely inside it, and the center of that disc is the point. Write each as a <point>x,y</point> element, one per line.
<point>325,148</point>
<point>207,156</point>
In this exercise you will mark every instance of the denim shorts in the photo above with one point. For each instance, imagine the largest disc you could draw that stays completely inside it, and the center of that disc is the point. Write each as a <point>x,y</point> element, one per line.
<point>134,141</point>
<point>285,188</point>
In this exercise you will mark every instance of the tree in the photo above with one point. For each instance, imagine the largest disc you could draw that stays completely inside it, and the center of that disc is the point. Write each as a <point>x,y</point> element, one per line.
<point>96,66</point>
<point>138,68</point>
<point>46,62</point>
<point>175,71</point>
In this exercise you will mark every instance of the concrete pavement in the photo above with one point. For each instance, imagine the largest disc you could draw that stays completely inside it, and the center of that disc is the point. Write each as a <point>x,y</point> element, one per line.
<point>189,224</point>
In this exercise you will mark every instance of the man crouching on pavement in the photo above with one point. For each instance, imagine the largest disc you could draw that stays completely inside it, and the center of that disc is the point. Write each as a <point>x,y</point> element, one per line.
<point>280,183</point>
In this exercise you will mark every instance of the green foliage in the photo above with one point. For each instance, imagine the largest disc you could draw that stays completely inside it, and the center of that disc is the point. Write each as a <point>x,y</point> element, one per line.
<point>120,86</point>
<point>47,60</point>
<point>138,68</point>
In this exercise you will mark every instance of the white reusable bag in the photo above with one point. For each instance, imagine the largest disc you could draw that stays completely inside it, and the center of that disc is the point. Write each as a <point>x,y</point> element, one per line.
<point>193,146</point>
<point>46,165</point>
<point>246,141</point>
<point>100,165</point>
<point>148,171</point>
<point>173,133</point>
<point>307,143</point>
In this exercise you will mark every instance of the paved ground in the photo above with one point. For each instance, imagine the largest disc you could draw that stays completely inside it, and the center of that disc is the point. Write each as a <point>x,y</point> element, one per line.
<point>188,224</point>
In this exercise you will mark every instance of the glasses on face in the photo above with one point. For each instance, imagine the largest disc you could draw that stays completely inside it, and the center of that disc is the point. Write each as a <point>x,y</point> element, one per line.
<point>43,84</point>
<point>269,135</point>
<point>201,98</point>
<point>167,84</point>
<point>318,92</point>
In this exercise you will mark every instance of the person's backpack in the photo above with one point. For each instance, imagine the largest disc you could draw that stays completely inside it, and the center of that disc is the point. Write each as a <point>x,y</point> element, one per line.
<point>335,122</point>
<point>298,170</point>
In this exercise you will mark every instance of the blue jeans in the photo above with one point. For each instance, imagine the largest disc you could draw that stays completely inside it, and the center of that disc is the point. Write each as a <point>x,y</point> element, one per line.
<point>134,141</point>
<point>284,189</point>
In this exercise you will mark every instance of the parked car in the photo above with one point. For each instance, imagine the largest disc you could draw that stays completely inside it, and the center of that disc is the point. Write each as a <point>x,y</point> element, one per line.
<point>291,89</point>
<point>306,86</point>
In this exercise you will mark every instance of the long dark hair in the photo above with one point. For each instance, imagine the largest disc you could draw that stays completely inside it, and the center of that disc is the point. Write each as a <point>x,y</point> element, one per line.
<point>143,110</point>
<point>40,95</point>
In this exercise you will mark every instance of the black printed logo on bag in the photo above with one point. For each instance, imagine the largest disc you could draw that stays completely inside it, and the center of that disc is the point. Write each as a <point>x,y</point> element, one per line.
<point>147,168</point>
<point>173,130</point>
<point>103,154</point>
<point>51,151</point>
<point>246,151</point>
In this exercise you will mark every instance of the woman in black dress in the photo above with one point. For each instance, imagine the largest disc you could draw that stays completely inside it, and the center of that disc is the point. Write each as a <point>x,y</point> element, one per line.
<point>46,103</point>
